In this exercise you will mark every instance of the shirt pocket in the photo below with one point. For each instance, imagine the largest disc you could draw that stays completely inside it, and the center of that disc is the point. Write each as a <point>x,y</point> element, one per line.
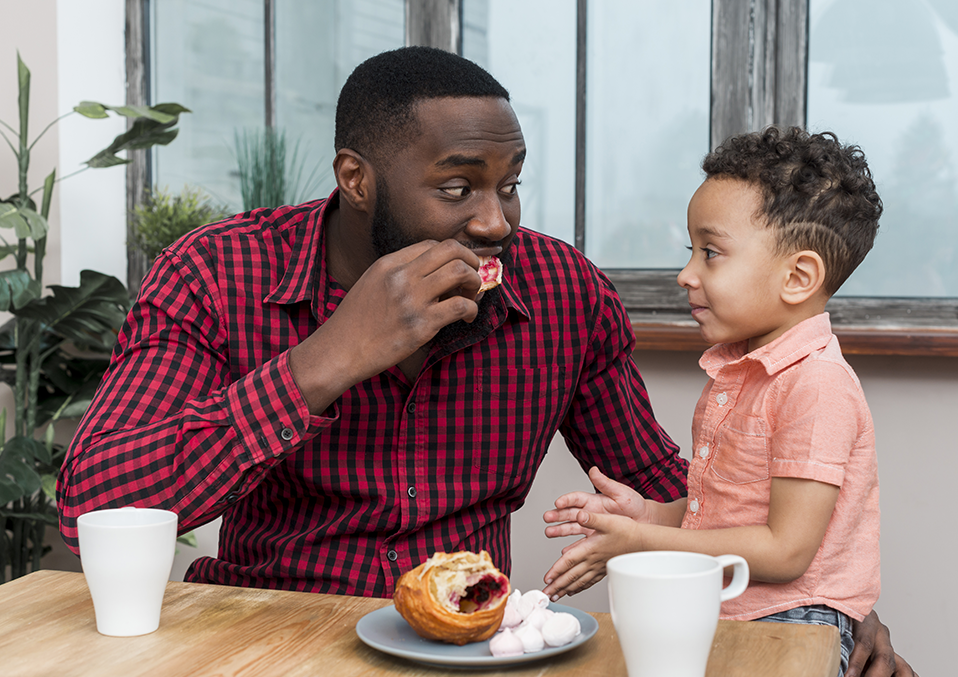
<point>741,450</point>
<point>520,412</point>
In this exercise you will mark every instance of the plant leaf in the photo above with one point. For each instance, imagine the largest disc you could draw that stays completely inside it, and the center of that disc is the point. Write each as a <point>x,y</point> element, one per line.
<point>48,482</point>
<point>24,221</point>
<point>151,127</point>
<point>23,77</point>
<point>91,109</point>
<point>161,113</point>
<point>189,538</point>
<point>17,289</point>
<point>18,475</point>
<point>38,226</point>
<point>98,305</point>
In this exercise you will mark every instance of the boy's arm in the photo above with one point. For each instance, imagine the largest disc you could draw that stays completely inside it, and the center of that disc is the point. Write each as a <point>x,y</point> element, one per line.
<point>777,552</point>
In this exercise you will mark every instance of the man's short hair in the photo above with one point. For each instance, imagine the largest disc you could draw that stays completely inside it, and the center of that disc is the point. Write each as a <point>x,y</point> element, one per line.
<point>817,192</point>
<point>375,115</point>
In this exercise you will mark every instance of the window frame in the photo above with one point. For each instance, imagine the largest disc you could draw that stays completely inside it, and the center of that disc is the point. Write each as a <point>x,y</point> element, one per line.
<point>759,76</point>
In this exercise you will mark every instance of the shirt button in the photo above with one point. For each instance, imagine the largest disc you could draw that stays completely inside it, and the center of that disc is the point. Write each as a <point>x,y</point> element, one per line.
<point>411,407</point>
<point>694,505</point>
<point>704,451</point>
<point>411,491</point>
<point>286,434</point>
<point>392,555</point>
<point>721,398</point>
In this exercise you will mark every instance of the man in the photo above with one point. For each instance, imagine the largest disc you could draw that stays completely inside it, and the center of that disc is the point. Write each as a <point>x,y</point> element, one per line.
<point>328,378</point>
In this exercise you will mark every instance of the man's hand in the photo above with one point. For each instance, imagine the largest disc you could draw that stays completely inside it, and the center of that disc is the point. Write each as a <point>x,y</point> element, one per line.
<point>873,655</point>
<point>396,307</point>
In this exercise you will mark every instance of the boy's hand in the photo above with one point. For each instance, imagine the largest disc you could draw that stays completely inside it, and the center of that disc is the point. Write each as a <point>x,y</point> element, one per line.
<point>582,564</point>
<point>614,498</point>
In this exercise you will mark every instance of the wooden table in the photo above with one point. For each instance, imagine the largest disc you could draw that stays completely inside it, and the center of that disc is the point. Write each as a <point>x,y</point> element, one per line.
<point>47,627</point>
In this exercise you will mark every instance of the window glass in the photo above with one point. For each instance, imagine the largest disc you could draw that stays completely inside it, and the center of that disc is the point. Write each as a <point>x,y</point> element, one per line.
<point>647,117</point>
<point>884,74</point>
<point>530,47</point>
<point>209,57</point>
<point>318,44</point>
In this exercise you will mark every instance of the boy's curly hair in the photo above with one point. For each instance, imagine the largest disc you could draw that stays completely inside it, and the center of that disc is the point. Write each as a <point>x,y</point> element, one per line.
<point>817,192</point>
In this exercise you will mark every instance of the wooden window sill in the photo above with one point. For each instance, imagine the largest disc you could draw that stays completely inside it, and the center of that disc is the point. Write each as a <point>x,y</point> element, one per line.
<point>864,325</point>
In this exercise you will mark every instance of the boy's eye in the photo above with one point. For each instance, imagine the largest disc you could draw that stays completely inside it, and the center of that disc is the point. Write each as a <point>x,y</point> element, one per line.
<point>709,253</point>
<point>456,191</point>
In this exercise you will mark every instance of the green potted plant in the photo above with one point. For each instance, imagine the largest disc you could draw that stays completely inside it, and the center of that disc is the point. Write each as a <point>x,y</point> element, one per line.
<point>268,177</point>
<point>53,353</point>
<point>163,218</point>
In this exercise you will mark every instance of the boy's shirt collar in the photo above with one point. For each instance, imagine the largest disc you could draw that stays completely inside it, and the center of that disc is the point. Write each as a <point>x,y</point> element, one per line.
<point>795,344</point>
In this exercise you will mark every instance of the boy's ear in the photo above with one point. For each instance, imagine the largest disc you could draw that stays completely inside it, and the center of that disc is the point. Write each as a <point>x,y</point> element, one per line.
<point>356,179</point>
<point>804,277</point>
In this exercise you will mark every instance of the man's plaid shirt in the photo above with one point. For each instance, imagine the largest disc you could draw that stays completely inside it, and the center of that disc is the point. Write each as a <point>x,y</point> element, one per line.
<point>199,414</point>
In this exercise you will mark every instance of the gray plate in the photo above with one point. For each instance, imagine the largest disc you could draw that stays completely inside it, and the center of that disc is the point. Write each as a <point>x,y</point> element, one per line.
<point>384,629</point>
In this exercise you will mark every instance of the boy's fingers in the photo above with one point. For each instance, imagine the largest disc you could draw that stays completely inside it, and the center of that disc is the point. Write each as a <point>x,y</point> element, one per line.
<point>563,515</point>
<point>572,500</point>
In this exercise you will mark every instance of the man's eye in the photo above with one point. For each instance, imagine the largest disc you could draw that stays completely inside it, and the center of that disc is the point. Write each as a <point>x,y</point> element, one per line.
<point>512,188</point>
<point>457,191</point>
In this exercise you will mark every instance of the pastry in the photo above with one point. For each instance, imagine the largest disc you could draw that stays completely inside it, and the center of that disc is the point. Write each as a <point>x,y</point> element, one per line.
<point>490,272</point>
<point>457,597</point>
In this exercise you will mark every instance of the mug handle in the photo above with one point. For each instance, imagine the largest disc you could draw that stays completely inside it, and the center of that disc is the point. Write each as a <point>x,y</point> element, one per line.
<point>739,576</point>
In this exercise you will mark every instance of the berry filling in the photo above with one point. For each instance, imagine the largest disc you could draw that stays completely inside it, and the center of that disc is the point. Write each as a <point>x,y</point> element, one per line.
<point>479,595</point>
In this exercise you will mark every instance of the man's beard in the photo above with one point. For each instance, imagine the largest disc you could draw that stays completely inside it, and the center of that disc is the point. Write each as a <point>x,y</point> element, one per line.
<point>390,234</point>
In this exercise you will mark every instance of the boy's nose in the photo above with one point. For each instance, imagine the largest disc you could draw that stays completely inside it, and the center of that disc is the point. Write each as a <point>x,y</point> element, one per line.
<point>685,278</point>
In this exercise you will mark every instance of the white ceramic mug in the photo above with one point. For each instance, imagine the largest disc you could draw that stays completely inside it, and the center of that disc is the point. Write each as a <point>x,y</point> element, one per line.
<point>665,608</point>
<point>127,555</point>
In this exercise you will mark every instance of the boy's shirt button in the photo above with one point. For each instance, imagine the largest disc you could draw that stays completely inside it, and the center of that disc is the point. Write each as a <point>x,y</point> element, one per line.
<point>704,451</point>
<point>721,398</point>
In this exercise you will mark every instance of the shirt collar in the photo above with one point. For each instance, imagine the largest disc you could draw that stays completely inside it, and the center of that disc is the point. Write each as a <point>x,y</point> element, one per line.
<point>307,260</point>
<point>795,344</point>
<point>307,265</point>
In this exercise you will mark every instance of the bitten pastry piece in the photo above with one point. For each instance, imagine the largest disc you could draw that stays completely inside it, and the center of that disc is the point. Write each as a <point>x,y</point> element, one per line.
<point>490,272</point>
<point>457,597</point>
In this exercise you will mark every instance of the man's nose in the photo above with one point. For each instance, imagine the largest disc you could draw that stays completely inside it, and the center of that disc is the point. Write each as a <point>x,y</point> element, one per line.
<point>489,223</point>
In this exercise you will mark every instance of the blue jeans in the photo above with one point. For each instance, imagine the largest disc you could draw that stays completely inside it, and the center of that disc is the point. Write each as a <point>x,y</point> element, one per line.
<point>820,614</point>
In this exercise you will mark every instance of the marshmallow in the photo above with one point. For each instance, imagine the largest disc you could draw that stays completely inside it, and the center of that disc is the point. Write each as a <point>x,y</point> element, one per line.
<point>531,600</point>
<point>506,643</point>
<point>560,629</point>
<point>538,617</point>
<point>511,618</point>
<point>531,638</point>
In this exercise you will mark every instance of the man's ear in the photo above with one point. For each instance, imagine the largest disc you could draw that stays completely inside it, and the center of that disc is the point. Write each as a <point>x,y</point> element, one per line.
<point>356,179</point>
<point>804,277</point>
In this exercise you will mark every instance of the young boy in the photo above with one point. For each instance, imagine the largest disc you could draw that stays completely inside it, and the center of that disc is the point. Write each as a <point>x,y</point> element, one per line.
<point>784,471</point>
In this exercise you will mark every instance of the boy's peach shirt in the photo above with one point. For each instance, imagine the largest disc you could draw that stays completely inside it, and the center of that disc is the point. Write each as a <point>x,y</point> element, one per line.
<point>793,408</point>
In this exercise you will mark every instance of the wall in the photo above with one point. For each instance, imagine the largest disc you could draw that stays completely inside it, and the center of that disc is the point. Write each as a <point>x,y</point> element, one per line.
<point>36,41</point>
